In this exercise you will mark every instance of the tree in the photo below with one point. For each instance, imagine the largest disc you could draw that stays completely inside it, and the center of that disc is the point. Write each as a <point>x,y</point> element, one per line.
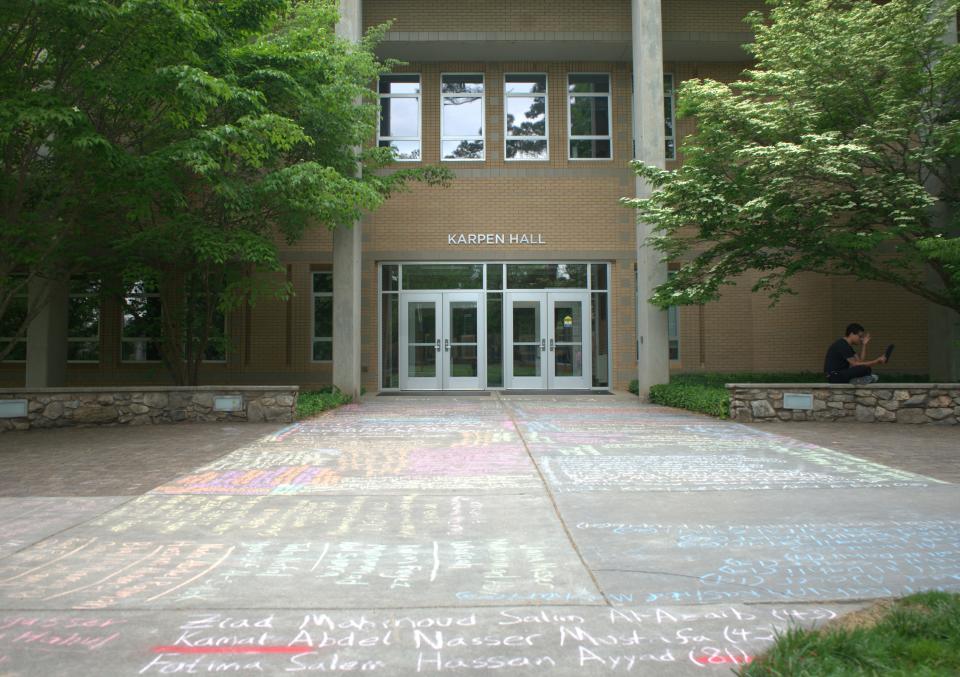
<point>204,133</point>
<point>837,153</point>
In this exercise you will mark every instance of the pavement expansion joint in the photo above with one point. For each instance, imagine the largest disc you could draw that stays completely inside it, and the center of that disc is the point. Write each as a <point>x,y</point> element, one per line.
<point>553,500</point>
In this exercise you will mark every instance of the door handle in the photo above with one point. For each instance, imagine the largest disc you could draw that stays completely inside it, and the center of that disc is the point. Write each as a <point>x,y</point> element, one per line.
<point>438,345</point>
<point>551,345</point>
<point>446,345</point>
<point>543,345</point>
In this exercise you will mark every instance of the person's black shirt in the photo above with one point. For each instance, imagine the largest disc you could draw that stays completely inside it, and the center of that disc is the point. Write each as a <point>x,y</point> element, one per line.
<point>837,356</point>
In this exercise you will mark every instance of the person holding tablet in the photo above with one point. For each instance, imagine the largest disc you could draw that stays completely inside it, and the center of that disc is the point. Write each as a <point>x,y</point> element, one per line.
<point>842,363</point>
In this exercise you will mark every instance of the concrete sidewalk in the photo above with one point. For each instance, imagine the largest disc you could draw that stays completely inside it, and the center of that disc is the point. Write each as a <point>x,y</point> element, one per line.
<point>541,535</point>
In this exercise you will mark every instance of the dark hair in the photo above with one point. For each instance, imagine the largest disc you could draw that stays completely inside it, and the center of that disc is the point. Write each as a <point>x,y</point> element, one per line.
<point>854,328</point>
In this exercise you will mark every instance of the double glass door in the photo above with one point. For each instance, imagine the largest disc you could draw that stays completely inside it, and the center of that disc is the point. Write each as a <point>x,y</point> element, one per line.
<point>548,342</point>
<point>442,341</point>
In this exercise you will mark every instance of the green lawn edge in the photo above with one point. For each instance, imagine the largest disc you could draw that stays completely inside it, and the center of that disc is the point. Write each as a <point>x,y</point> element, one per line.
<point>915,635</point>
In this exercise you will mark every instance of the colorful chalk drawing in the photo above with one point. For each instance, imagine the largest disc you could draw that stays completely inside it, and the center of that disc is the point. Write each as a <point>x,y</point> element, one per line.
<point>527,640</point>
<point>416,535</point>
<point>770,562</point>
<point>95,573</point>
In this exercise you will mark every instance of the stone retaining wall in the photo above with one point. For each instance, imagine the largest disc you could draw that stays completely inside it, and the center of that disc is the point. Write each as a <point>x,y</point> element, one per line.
<point>877,403</point>
<point>59,407</point>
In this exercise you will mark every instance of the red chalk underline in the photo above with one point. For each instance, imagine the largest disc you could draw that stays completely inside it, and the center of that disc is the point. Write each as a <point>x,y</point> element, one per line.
<point>231,649</point>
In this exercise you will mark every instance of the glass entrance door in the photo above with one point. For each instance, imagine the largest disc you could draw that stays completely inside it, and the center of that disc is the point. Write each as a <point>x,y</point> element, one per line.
<point>420,328</point>
<point>441,341</point>
<point>463,332</point>
<point>526,337</point>
<point>547,340</point>
<point>569,340</point>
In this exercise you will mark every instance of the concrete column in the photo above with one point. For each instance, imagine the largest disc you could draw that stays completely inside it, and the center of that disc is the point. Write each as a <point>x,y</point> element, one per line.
<point>648,135</point>
<point>943,324</point>
<point>347,260</point>
<point>47,333</point>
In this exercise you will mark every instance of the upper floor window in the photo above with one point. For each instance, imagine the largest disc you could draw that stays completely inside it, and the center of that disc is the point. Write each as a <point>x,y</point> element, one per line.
<point>670,149</point>
<point>461,117</point>
<point>323,316</point>
<point>400,114</point>
<point>588,112</point>
<point>525,107</point>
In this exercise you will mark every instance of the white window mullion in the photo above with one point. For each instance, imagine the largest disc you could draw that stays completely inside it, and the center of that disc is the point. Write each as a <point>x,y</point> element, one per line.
<point>524,146</point>
<point>669,133</point>
<point>589,87</point>
<point>400,87</point>
<point>463,146</point>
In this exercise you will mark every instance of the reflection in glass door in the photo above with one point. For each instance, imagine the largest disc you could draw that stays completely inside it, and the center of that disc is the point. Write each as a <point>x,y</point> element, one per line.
<point>526,341</point>
<point>569,340</point>
<point>463,327</point>
<point>547,340</point>
<point>420,328</point>
<point>442,344</point>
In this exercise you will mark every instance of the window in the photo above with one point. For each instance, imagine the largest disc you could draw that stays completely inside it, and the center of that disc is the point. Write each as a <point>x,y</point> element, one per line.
<point>11,322</point>
<point>673,329</point>
<point>673,332</point>
<point>588,113</point>
<point>83,321</point>
<point>400,115</point>
<point>323,316</point>
<point>140,334</point>
<point>670,150</point>
<point>461,117</point>
<point>525,107</point>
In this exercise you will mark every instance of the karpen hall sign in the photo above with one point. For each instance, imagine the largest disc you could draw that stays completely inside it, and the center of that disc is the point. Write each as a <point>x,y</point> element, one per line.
<point>492,239</point>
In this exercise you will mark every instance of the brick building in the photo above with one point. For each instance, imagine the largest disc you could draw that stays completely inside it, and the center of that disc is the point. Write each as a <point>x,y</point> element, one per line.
<point>524,272</point>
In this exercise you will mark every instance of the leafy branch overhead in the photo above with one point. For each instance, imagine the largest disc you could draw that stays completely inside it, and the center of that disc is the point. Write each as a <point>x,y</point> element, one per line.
<point>837,153</point>
<point>176,138</point>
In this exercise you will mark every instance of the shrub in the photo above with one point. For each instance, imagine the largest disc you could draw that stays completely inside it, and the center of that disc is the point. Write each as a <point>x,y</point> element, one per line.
<point>313,402</point>
<point>705,399</point>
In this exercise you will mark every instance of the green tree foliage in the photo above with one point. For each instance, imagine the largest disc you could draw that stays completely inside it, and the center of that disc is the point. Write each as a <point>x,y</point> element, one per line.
<point>836,153</point>
<point>191,136</point>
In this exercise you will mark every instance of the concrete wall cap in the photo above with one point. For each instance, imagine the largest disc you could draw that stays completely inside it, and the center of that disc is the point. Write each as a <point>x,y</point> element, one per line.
<point>148,389</point>
<point>841,386</point>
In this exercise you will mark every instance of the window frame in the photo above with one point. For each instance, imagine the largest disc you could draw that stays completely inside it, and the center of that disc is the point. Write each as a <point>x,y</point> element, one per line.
<point>483,117</point>
<point>570,135</point>
<point>419,97</point>
<point>673,338</point>
<point>669,140</point>
<point>131,339</point>
<point>7,340</point>
<point>313,315</point>
<point>546,117</point>
<point>87,339</point>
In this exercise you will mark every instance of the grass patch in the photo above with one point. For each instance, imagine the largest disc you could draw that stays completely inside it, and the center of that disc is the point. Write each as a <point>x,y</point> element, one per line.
<point>706,392</point>
<point>312,402</point>
<point>916,635</point>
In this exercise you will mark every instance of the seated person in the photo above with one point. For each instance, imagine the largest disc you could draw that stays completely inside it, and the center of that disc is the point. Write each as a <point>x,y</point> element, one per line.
<point>843,365</point>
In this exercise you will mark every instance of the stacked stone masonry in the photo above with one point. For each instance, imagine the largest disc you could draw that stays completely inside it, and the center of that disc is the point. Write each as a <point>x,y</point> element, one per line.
<point>914,403</point>
<point>61,407</point>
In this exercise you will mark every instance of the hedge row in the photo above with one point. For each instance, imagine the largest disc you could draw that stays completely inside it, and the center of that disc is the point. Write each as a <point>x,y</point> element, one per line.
<point>705,393</point>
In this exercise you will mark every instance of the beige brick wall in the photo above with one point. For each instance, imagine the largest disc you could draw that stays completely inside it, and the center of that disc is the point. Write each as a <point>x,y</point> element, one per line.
<point>499,15</point>
<point>575,205</point>
<point>553,15</point>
